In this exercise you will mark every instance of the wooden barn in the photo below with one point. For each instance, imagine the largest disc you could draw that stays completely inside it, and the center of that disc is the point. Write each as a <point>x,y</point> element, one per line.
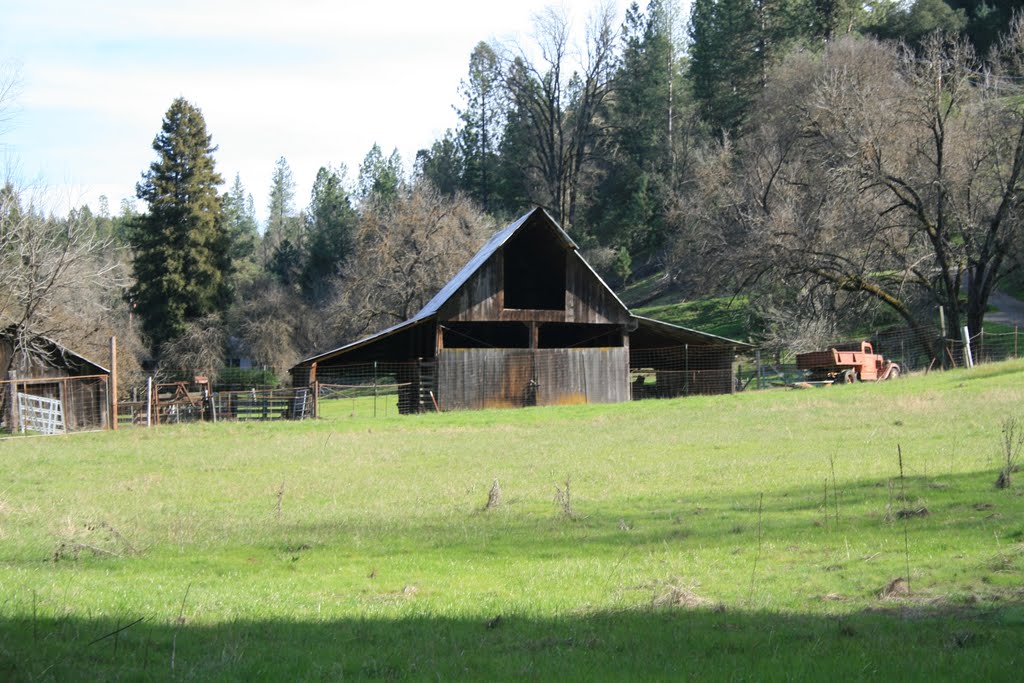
<point>528,322</point>
<point>49,388</point>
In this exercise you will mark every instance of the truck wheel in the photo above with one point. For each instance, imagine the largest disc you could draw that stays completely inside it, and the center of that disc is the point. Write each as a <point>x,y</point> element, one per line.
<point>894,372</point>
<point>849,377</point>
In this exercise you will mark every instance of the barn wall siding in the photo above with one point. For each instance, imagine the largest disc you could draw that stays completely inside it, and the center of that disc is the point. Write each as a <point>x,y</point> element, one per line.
<point>587,299</point>
<point>506,378</point>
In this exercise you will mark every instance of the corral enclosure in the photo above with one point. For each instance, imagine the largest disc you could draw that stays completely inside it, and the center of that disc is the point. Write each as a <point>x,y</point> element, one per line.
<point>528,322</point>
<point>47,387</point>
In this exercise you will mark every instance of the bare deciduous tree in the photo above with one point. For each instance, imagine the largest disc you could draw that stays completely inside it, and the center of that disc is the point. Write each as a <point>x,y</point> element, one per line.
<point>10,87</point>
<point>882,173</point>
<point>405,252</point>
<point>59,277</point>
<point>276,326</point>
<point>562,103</point>
<point>199,350</point>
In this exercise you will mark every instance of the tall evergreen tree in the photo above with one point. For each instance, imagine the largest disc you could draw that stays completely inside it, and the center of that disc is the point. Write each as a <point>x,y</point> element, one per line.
<point>734,43</point>
<point>181,244</point>
<point>482,121</point>
<point>332,222</point>
<point>380,178</point>
<point>282,221</point>
<point>240,211</point>
<point>629,210</point>
<point>725,65</point>
<point>514,182</point>
<point>442,165</point>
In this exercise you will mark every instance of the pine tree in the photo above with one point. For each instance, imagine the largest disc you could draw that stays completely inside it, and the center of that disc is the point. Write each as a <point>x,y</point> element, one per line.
<point>482,120</point>
<point>442,165</point>
<point>380,179</point>
<point>282,222</point>
<point>181,263</point>
<point>630,206</point>
<point>726,64</point>
<point>332,222</point>
<point>243,230</point>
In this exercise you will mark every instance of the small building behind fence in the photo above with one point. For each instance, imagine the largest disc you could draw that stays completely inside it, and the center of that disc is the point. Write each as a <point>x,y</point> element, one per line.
<point>49,389</point>
<point>526,322</point>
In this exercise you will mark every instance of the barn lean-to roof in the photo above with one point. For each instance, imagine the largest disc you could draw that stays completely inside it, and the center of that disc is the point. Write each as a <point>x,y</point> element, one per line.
<point>679,334</point>
<point>51,349</point>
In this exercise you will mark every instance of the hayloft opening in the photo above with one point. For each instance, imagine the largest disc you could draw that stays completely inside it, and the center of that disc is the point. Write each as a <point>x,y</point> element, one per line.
<point>569,335</point>
<point>485,335</point>
<point>534,263</point>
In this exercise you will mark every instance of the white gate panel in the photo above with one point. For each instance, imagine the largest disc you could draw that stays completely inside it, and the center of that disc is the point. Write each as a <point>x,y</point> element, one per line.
<point>43,415</point>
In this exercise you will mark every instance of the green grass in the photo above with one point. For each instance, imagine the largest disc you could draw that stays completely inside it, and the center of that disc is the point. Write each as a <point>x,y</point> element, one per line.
<point>724,316</point>
<point>707,541</point>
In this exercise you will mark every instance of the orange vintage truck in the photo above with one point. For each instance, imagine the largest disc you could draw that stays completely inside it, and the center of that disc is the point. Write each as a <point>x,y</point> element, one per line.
<point>846,363</point>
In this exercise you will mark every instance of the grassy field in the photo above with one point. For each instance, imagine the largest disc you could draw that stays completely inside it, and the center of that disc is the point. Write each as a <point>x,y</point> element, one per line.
<point>724,316</point>
<point>761,536</point>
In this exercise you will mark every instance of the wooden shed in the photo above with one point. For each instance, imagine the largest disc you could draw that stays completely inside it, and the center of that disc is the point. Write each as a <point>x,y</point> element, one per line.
<point>49,388</point>
<point>526,322</point>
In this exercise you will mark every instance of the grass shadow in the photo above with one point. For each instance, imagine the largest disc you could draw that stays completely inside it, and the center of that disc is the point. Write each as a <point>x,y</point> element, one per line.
<point>669,642</point>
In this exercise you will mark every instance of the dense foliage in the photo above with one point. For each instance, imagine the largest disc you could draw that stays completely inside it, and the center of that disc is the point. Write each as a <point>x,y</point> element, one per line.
<point>181,244</point>
<point>827,159</point>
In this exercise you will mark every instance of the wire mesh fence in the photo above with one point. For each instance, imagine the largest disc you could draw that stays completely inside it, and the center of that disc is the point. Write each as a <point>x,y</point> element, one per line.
<point>484,378</point>
<point>374,389</point>
<point>460,379</point>
<point>54,405</point>
<point>913,351</point>
<point>182,402</point>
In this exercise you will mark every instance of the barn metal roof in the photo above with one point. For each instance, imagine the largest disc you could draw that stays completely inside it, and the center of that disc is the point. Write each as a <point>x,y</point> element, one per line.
<point>481,257</point>
<point>435,304</point>
<point>411,322</point>
<point>452,287</point>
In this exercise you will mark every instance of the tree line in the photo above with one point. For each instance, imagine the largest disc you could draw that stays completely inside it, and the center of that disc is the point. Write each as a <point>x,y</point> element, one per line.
<point>833,160</point>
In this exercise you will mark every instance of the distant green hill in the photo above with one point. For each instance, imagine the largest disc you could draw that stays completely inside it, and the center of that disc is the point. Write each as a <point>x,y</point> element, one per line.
<point>726,316</point>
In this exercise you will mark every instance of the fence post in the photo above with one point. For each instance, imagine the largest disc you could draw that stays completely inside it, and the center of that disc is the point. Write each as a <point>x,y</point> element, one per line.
<point>149,401</point>
<point>112,383</point>
<point>968,358</point>
<point>316,398</point>
<point>686,375</point>
<point>1015,329</point>
<point>757,361</point>
<point>13,420</point>
<point>375,388</point>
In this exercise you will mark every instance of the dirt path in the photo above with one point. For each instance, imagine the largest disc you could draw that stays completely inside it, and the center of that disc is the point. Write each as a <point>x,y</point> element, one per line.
<point>1010,311</point>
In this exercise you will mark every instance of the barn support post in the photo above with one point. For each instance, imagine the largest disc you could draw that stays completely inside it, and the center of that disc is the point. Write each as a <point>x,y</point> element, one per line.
<point>112,383</point>
<point>12,401</point>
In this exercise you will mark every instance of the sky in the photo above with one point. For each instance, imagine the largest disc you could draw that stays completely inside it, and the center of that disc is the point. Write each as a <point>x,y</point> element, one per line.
<point>315,81</point>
